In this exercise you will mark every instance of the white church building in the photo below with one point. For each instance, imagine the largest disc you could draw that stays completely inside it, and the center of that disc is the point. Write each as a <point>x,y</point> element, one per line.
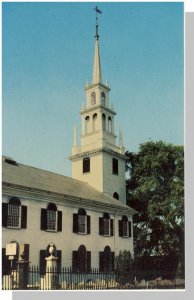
<point>86,216</point>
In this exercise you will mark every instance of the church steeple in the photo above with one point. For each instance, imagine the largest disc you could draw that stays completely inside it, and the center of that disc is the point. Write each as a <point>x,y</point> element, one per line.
<point>97,75</point>
<point>99,160</point>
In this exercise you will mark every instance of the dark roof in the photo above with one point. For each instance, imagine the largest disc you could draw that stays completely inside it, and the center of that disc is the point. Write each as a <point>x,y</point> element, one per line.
<point>34,178</point>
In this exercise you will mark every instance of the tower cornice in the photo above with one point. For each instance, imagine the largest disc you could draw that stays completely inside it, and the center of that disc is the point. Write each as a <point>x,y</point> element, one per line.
<point>99,150</point>
<point>88,110</point>
<point>94,85</point>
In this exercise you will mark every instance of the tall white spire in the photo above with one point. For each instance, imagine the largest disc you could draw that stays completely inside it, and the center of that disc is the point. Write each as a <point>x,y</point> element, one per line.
<point>97,75</point>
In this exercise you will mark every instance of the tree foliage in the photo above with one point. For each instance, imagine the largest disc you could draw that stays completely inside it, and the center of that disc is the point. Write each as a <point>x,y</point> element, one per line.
<point>155,188</point>
<point>123,266</point>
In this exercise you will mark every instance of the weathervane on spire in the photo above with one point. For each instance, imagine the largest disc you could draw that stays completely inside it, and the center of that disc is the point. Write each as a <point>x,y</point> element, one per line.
<point>98,11</point>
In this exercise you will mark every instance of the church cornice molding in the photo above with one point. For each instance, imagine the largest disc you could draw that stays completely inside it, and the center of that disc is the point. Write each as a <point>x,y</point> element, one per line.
<point>99,150</point>
<point>93,108</point>
<point>32,194</point>
<point>98,84</point>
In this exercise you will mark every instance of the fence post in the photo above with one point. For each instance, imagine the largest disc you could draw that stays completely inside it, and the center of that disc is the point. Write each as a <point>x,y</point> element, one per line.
<point>23,266</point>
<point>51,269</point>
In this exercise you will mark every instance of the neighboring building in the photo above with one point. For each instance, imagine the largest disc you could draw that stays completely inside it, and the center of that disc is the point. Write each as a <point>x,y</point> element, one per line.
<point>86,216</point>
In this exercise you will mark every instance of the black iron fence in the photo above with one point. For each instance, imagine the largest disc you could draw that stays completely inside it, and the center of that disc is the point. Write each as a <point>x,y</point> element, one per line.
<point>66,279</point>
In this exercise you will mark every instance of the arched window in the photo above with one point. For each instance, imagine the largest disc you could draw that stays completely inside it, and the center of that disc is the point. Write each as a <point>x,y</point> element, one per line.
<point>93,98</point>
<point>106,260</point>
<point>103,99</point>
<point>124,227</point>
<point>51,217</point>
<point>106,225</point>
<point>14,213</point>
<point>82,221</point>
<point>81,260</point>
<point>109,124</point>
<point>87,119</point>
<point>103,122</point>
<point>94,122</point>
<point>116,195</point>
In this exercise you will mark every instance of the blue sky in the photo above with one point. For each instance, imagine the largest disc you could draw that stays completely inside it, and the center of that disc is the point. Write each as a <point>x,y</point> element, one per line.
<point>48,53</point>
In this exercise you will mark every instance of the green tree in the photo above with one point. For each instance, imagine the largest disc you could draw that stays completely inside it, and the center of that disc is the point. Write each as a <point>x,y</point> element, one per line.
<point>155,188</point>
<point>123,267</point>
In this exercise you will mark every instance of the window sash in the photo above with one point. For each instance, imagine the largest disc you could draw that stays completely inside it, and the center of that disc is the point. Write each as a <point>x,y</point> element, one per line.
<point>51,220</point>
<point>106,227</point>
<point>125,229</point>
<point>82,224</point>
<point>14,216</point>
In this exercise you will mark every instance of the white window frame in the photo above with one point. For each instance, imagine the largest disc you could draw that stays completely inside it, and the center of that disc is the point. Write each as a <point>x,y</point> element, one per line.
<point>85,224</point>
<point>56,221</point>
<point>105,219</point>
<point>127,228</point>
<point>11,216</point>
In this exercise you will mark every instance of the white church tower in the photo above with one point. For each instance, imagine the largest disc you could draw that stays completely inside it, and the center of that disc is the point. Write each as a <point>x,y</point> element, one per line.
<point>99,161</point>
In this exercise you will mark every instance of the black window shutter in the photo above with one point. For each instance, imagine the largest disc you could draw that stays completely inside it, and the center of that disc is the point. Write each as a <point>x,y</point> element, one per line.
<point>101,261</point>
<point>120,228</point>
<point>112,261</point>
<point>59,221</point>
<point>75,223</point>
<point>4,214</point>
<point>129,228</point>
<point>24,217</point>
<point>88,224</point>
<point>101,226</point>
<point>59,255</point>
<point>6,264</point>
<point>43,225</point>
<point>42,262</point>
<point>75,263</point>
<point>88,261</point>
<point>111,227</point>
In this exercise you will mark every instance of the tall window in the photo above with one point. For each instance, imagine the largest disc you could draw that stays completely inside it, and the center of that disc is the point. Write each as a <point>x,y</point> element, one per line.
<point>115,168</point>
<point>106,260</point>
<point>86,165</point>
<point>106,225</point>
<point>103,122</point>
<point>81,260</point>
<point>103,98</point>
<point>81,222</point>
<point>124,227</point>
<point>14,213</point>
<point>87,120</point>
<point>109,125</point>
<point>51,218</point>
<point>93,98</point>
<point>94,122</point>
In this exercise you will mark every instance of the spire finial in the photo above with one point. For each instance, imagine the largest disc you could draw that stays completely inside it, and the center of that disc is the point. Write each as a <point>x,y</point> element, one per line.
<point>98,11</point>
